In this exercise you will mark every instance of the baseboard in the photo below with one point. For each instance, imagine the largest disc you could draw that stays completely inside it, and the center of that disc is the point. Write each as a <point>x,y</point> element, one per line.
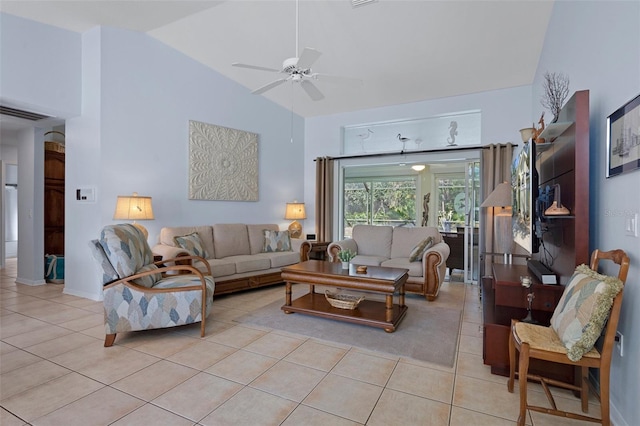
<point>616,417</point>
<point>83,294</point>
<point>30,282</point>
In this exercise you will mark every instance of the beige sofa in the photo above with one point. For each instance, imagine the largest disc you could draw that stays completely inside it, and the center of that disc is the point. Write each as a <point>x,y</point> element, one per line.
<point>389,246</point>
<point>235,254</point>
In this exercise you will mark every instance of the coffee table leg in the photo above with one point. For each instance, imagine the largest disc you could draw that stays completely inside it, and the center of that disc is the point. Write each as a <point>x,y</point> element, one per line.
<point>287,295</point>
<point>389,310</point>
<point>402,295</point>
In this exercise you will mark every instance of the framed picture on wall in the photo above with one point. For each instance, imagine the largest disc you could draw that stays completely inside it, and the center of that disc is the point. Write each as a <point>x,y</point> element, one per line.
<point>623,139</point>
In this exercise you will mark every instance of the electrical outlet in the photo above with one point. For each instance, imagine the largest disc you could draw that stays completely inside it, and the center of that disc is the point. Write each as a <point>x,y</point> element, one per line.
<point>620,343</point>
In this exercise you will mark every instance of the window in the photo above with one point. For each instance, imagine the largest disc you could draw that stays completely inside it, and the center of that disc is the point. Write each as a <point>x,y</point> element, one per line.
<point>379,201</point>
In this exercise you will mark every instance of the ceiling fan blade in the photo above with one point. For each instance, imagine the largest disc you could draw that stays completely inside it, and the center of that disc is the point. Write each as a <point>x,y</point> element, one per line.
<point>308,57</point>
<point>269,86</point>
<point>336,79</point>
<point>254,67</point>
<point>311,90</point>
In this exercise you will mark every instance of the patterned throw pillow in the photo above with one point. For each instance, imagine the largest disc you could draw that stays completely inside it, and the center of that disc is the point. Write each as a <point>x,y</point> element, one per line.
<point>583,310</point>
<point>276,241</point>
<point>193,244</point>
<point>418,251</point>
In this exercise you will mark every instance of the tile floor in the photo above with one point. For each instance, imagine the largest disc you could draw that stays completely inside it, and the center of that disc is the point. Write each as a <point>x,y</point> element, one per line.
<point>54,370</point>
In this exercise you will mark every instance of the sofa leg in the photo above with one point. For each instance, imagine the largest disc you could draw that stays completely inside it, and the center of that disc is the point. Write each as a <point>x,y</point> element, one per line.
<point>109,339</point>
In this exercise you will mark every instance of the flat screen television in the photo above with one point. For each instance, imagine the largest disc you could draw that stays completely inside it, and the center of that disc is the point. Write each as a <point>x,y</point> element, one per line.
<point>524,182</point>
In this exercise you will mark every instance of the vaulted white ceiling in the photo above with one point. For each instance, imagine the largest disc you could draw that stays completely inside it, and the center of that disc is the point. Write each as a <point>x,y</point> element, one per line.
<point>402,51</point>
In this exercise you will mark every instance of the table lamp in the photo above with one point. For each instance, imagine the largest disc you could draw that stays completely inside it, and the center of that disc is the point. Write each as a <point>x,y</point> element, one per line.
<point>501,197</point>
<point>294,212</point>
<point>134,207</point>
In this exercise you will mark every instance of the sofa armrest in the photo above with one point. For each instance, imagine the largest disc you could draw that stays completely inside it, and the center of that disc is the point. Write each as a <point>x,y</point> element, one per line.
<point>337,246</point>
<point>168,252</point>
<point>434,264</point>
<point>301,246</point>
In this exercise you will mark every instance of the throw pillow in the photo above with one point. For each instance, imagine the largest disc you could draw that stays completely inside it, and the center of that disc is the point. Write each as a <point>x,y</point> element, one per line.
<point>276,241</point>
<point>193,244</point>
<point>583,310</point>
<point>418,251</point>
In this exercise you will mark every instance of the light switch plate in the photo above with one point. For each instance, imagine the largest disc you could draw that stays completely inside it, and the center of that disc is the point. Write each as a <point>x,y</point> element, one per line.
<point>631,225</point>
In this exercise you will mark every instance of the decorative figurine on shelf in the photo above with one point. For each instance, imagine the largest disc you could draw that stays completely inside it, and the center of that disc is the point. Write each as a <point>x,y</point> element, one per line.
<point>537,131</point>
<point>526,282</point>
<point>453,132</point>
<point>425,209</point>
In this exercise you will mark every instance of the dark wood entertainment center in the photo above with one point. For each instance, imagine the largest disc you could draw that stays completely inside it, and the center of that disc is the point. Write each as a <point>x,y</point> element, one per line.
<point>563,159</point>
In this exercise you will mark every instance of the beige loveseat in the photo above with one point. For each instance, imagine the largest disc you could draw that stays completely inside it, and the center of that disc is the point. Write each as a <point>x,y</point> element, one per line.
<point>389,246</point>
<point>235,253</point>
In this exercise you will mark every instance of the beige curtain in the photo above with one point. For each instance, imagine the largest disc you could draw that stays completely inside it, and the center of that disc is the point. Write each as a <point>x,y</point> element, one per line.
<point>496,168</point>
<point>324,198</point>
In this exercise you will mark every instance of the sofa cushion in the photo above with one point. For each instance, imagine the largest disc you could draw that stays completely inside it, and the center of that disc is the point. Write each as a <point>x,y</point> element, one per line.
<point>275,241</point>
<point>415,268</point>
<point>193,244</point>
<point>168,234</point>
<point>250,263</point>
<point>405,239</point>
<point>418,251</point>
<point>368,260</point>
<point>256,236</point>
<point>280,259</point>
<point>373,240</point>
<point>583,310</point>
<point>230,239</point>
<point>221,267</point>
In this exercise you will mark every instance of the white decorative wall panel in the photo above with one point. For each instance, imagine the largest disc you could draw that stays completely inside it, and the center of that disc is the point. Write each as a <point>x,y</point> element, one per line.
<point>223,163</point>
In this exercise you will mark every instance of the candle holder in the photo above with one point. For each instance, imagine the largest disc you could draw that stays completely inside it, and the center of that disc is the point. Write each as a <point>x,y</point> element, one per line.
<point>527,282</point>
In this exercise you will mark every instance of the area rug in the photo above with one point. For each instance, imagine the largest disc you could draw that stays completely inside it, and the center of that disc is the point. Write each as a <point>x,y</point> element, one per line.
<point>426,333</point>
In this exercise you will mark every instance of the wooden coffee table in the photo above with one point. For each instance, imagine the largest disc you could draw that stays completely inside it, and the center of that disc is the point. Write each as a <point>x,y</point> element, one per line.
<point>387,281</point>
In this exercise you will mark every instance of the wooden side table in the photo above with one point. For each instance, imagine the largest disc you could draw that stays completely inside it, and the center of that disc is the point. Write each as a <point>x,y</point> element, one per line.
<point>319,250</point>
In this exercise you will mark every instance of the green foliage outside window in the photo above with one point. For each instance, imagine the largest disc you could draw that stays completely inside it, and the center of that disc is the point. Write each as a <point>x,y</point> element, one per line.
<point>389,201</point>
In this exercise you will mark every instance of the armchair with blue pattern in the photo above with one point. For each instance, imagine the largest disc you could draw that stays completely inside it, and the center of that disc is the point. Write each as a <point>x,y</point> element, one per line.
<point>140,294</point>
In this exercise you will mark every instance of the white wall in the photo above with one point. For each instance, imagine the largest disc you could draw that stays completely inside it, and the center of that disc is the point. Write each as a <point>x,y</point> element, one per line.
<point>504,113</point>
<point>40,67</point>
<point>605,59</point>
<point>138,98</point>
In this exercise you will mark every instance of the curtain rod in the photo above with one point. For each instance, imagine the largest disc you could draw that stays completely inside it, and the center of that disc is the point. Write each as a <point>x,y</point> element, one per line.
<point>426,151</point>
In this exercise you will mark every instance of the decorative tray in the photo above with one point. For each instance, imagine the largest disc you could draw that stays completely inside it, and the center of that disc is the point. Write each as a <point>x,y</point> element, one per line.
<point>343,301</point>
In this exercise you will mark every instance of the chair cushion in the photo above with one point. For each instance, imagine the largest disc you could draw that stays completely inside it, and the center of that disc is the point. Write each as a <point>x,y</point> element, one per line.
<point>108,273</point>
<point>276,241</point>
<point>545,338</point>
<point>127,249</point>
<point>419,250</point>
<point>193,244</point>
<point>583,310</point>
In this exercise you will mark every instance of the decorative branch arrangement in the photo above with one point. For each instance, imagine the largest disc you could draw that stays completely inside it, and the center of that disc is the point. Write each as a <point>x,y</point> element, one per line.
<point>556,90</point>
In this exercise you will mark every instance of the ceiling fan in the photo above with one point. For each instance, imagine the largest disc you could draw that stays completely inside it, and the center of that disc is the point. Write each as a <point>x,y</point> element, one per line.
<point>298,70</point>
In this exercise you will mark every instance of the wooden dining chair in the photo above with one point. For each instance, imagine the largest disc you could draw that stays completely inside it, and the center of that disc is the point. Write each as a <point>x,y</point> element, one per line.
<point>545,343</point>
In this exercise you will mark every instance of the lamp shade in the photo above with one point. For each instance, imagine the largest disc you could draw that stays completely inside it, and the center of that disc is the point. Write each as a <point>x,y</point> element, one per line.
<point>500,197</point>
<point>295,211</point>
<point>133,207</point>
